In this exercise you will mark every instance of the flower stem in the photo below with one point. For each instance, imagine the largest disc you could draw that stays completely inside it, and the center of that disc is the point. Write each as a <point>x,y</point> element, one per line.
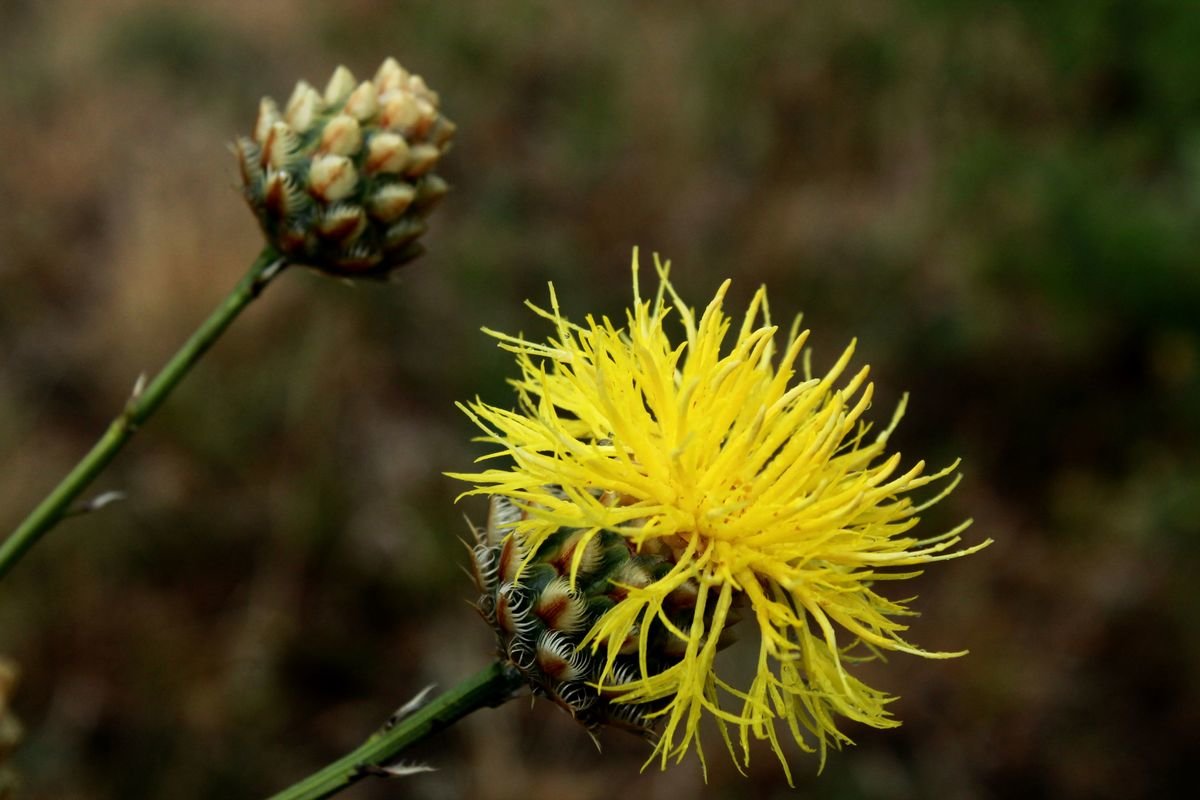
<point>489,687</point>
<point>144,402</point>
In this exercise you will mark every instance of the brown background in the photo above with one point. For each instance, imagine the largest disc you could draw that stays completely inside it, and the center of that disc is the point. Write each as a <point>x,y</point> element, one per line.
<point>1000,199</point>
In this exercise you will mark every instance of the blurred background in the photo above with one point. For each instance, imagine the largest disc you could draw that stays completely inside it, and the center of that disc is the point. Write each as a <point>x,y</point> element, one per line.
<point>1000,199</point>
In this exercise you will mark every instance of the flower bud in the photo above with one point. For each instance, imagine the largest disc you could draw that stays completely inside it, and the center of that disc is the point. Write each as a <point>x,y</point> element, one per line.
<point>343,179</point>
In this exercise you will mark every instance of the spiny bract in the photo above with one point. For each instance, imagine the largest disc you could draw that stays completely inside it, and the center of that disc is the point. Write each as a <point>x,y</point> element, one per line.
<point>656,491</point>
<point>541,603</point>
<point>343,180</point>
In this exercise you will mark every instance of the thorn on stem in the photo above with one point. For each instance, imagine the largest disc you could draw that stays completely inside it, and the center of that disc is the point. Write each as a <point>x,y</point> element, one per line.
<point>135,394</point>
<point>418,700</point>
<point>265,277</point>
<point>96,503</point>
<point>397,770</point>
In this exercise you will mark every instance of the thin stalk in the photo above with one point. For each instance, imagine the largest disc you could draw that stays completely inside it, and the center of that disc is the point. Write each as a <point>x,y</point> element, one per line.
<point>144,402</point>
<point>489,687</point>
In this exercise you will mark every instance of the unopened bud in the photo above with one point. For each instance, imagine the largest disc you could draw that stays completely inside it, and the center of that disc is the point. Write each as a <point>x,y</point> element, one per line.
<point>343,179</point>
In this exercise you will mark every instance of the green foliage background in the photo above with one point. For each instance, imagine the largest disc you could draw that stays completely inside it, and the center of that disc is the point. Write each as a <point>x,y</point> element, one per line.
<point>1000,199</point>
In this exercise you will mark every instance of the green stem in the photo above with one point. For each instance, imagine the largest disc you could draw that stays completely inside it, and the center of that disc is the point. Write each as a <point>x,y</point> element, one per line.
<point>141,405</point>
<point>490,687</point>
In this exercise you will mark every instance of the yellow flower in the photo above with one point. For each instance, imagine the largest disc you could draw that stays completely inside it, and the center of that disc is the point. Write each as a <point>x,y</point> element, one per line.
<point>760,484</point>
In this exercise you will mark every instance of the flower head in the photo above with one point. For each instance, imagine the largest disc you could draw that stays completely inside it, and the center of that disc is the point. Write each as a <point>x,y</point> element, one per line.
<point>677,485</point>
<point>342,180</point>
